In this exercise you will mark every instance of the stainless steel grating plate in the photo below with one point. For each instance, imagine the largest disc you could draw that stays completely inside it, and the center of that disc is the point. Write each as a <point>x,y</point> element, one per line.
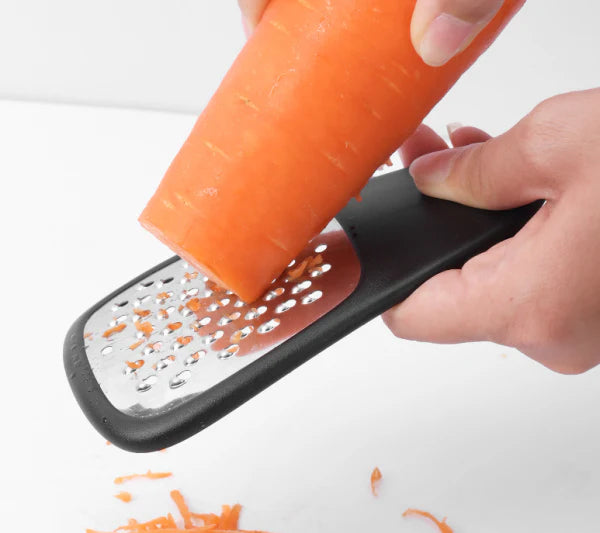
<point>176,334</point>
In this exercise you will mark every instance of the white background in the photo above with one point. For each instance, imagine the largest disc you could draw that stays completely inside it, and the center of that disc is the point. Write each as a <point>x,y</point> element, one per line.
<point>495,443</point>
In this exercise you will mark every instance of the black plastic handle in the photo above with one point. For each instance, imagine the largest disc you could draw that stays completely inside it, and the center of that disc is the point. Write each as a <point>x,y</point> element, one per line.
<point>402,239</point>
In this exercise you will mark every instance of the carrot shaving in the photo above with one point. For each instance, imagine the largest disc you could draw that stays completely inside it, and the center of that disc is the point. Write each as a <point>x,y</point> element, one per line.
<point>111,331</point>
<point>148,475</point>
<point>190,276</point>
<point>358,198</point>
<point>185,340</point>
<point>163,296</point>
<point>296,272</point>
<point>87,336</point>
<point>215,287</point>
<point>136,345</point>
<point>227,522</point>
<point>193,305</point>
<point>145,327</point>
<point>108,443</point>
<point>315,261</point>
<point>135,364</point>
<point>375,480</point>
<point>142,312</point>
<point>174,325</point>
<point>124,496</point>
<point>183,508</point>
<point>442,526</point>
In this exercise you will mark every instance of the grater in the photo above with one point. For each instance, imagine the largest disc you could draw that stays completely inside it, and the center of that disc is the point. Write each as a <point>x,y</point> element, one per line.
<point>171,352</point>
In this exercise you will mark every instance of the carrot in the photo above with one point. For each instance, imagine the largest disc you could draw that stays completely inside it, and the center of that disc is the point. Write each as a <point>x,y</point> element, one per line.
<point>183,508</point>
<point>136,345</point>
<point>375,480</point>
<point>124,496</point>
<point>145,327</point>
<point>135,365</point>
<point>111,331</point>
<point>442,526</point>
<point>148,475</point>
<point>143,313</point>
<point>320,96</point>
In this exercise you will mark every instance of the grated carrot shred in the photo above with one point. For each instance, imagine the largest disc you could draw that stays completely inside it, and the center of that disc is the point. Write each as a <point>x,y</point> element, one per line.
<point>193,304</point>
<point>145,327</point>
<point>442,526</point>
<point>135,365</point>
<point>375,480</point>
<point>148,475</point>
<point>111,331</point>
<point>295,272</point>
<point>124,496</point>
<point>227,522</point>
<point>136,345</point>
<point>142,312</point>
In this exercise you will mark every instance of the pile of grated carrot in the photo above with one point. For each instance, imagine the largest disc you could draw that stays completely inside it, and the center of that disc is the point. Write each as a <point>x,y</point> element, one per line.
<point>226,522</point>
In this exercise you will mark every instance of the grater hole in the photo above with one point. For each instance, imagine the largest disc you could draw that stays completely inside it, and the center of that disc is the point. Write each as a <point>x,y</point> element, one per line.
<point>302,286</point>
<point>241,334</point>
<point>146,383</point>
<point>319,270</point>
<point>285,306</point>
<point>255,312</point>
<point>213,337</point>
<point>194,358</point>
<point>224,302</point>
<point>213,307</point>
<point>181,342</point>
<point>180,379</point>
<point>312,297</point>
<point>321,248</point>
<point>291,263</point>
<point>166,281</point>
<point>228,352</point>
<point>275,293</point>
<point>189,293</point>
<point>142,300</point>
<point>227,319</point>
<point>120,304</point>
<point>164,363</point>
<point>239,303</point>
<point>107,350</point>
<point>268,326</point>
<point>119,320</point>
<point>144,285</point>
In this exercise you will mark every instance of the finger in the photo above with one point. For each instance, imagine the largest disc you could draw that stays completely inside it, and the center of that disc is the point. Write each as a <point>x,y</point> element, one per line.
<point>252,11</point>
<point>464,135</point>
<point>423,141</point>
<point>442,28</point>
<point>499,173</point>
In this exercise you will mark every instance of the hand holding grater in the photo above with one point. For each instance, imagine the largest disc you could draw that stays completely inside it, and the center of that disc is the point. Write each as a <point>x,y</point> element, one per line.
<point>170,352</point>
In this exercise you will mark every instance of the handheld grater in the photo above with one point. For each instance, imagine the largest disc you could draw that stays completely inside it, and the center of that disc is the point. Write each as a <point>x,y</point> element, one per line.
<point>170,352</point>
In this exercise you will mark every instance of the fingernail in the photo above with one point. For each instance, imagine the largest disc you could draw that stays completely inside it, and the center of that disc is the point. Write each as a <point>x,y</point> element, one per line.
<point>246,26</point>
<point>443,39</point>
<point>453,126</point>
<point>434,168</point>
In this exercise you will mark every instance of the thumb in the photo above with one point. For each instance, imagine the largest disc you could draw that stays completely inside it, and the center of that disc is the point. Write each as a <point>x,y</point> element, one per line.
<point>442,28</point>
<point>501,173</point>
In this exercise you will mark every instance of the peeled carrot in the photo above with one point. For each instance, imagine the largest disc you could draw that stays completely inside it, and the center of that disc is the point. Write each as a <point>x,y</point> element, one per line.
<point>320,96</point>
<point>442,526</point>
<point>375,480</point>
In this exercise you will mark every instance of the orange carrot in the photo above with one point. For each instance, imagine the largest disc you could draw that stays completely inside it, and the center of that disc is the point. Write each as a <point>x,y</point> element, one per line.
<point>136,345</point>
<point>442,526</point>
<point>193,304</point>
<point>135,365</point>
<point>111,331</point>
<point>148,475</point>
<point>124,496</point>
<point>322,93</point>
<point>375,480</point>
<point>297,271</point>
<point>142,312</point>
<point>183,508</point>
<point>145,327</point>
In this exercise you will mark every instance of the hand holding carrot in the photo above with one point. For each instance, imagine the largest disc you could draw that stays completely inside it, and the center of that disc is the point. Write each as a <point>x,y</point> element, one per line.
<point>440,28</point>
<point>540,290</point>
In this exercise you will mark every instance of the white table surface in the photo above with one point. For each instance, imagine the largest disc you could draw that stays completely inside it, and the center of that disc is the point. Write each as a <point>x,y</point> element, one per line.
<point>477,432</point>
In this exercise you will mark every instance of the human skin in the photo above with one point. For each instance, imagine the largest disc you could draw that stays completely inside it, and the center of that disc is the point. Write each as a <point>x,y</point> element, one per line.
<point>540,290</point>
